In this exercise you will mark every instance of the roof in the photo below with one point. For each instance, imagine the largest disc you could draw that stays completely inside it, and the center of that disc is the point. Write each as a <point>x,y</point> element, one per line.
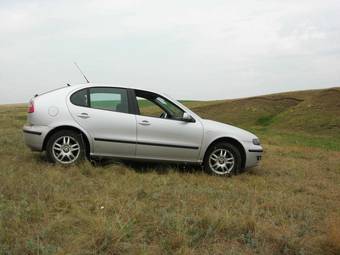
<point>86,85</point>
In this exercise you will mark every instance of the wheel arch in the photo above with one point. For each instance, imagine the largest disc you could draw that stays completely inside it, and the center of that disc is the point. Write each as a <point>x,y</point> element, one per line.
<point>234,142</point>
<point>68,127</point>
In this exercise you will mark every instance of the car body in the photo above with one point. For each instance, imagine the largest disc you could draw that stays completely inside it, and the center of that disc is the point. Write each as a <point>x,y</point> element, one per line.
<point>110,122</point>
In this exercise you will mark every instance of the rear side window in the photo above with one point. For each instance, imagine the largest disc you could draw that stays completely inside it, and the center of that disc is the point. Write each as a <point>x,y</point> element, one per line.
<point>80,98</point>
<point>113,99</point>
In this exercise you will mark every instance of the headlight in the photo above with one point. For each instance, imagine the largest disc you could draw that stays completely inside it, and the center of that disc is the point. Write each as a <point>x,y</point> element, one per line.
<point>256,141</point>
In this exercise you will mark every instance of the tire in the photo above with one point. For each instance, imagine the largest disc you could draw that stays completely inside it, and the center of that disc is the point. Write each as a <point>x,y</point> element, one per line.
<point>222,159</point>
<point>65,147</point>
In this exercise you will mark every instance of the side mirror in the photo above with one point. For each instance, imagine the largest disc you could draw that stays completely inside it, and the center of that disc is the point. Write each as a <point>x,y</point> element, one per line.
<point>187,117</point>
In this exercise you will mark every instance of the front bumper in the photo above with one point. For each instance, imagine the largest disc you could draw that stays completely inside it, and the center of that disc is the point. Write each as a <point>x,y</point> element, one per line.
<point>34,136</point>
<point>253,155</point>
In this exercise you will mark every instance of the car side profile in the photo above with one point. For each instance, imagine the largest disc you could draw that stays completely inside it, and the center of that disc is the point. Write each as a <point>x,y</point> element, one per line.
<point>90,120</point>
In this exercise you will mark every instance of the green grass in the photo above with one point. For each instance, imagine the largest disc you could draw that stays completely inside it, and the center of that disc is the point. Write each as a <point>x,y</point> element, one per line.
<point>265,120</point>
<point>304,140</point>
<point>290,204</point>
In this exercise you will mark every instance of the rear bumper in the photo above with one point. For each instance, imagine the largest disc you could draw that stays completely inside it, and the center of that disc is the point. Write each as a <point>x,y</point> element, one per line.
<point>34,136</point>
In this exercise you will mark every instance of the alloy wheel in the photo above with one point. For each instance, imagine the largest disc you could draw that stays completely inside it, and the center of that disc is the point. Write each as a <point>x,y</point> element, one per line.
<point>221,161</point>
<point>66,149</point>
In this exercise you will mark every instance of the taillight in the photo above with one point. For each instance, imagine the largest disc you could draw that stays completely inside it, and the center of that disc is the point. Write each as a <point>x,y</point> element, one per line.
<point>30,107</point>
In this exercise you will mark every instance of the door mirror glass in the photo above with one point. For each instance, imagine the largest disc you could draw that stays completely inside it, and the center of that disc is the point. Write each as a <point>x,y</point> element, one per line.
<point>187,117</point>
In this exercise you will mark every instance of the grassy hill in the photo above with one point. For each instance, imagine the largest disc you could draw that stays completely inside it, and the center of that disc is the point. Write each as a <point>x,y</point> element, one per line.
<point>307,118</point>
<point>314,111</point>
<point>290,204</point>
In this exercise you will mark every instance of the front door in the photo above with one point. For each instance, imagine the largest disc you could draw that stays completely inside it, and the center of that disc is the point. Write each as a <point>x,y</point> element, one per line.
<point>162,133</point>
<point>104,113</point>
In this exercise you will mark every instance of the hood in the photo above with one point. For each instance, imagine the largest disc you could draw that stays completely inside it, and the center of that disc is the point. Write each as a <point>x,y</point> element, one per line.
<point>227,130</point>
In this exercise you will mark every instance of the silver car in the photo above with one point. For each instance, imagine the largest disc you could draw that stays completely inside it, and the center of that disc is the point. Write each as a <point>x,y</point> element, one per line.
<point>84,121</point>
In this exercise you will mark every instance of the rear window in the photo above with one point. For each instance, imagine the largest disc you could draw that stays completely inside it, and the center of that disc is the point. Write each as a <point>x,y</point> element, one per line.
<point>51,91</point>
<point>80,98</point>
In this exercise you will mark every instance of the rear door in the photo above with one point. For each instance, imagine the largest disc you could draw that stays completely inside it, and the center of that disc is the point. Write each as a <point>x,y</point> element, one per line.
<point>105,113</point>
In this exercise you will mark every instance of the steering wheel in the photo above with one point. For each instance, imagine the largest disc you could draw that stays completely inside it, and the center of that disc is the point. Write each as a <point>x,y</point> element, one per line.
<point>164,115</point>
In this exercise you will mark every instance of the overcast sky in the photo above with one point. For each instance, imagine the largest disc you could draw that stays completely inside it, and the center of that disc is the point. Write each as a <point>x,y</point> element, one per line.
<point>189,49</point>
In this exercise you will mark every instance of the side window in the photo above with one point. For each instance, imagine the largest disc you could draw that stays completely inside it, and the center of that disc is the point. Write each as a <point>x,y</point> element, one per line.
<point>153,105</point>
<point>113,99</point>
<point>80,98</point>
<point>175,111</point>
<point>149,108</point>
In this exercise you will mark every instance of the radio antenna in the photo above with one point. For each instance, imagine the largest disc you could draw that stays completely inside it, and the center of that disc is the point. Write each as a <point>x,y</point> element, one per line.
<point>75,63</point>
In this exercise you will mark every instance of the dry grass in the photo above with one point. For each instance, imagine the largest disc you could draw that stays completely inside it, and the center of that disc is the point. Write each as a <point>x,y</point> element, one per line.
<point>290,204</point>
<point>332,243</point>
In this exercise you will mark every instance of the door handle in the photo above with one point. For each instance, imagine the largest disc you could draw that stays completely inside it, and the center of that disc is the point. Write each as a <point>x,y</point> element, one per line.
<point>144,123</point>
<point>83,115</point>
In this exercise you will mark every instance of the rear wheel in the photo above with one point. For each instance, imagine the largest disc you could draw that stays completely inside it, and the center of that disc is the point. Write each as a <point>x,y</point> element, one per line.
<point>65,147</point>
<point>222,159</point>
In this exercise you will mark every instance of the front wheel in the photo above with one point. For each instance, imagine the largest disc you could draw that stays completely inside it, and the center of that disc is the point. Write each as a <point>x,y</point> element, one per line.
<point>65,147</point>
<point>222,159</point>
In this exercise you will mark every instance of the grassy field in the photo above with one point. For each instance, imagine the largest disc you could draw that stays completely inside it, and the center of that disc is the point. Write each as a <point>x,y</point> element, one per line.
<point>290,204</point>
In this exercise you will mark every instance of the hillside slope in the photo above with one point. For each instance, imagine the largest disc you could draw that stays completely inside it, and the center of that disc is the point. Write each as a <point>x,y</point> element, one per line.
<point>312,111</point>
